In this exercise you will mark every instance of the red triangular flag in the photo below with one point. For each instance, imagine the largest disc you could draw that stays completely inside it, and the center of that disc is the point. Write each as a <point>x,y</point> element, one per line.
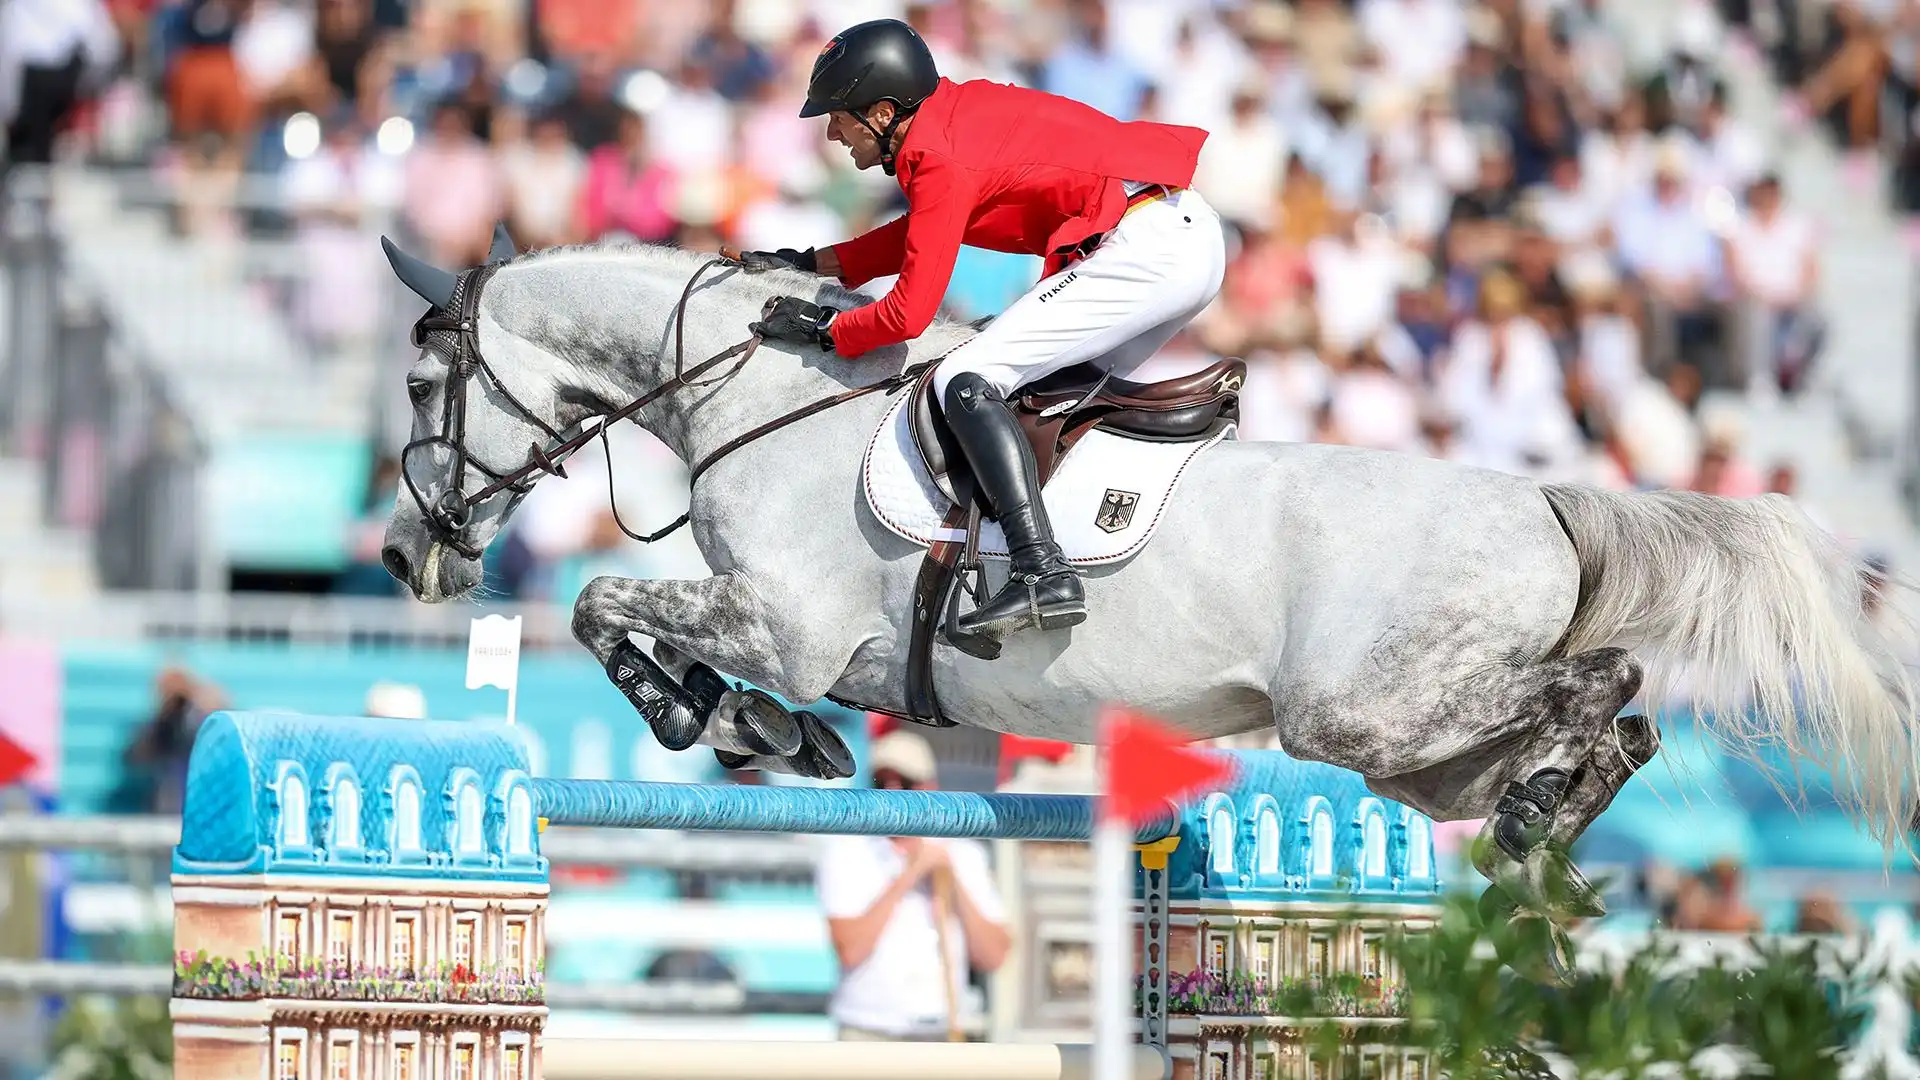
<point>1148,764</point>
<point>15,761</point>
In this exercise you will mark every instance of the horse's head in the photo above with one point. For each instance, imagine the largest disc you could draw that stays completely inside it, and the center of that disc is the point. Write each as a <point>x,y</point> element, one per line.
<point>489,409</point>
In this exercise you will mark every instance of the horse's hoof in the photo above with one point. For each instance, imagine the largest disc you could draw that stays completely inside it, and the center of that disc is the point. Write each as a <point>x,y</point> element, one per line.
<point>823,753</point>
<point>1496,907</point>
<point>1567,892</point>
<point>1536,949</point>
<point>731,761</point>
<point>676,728</point>
<point>759,723</point>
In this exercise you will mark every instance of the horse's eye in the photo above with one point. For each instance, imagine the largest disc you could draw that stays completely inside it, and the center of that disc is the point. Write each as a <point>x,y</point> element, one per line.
<point>419,390</point>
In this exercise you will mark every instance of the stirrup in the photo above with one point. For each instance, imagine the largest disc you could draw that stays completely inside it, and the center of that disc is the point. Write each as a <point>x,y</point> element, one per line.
<point>970,576</point>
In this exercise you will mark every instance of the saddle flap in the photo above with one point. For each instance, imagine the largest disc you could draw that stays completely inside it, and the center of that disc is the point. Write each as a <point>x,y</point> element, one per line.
<point>932,438</point>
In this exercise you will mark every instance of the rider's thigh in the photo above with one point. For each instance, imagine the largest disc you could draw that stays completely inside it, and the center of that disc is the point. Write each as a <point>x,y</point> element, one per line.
<point>1160,268</point>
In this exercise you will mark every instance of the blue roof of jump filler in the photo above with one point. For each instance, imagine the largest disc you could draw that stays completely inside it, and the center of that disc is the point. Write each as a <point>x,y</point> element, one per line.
<point>1292,830</point>
<point>284,793</point>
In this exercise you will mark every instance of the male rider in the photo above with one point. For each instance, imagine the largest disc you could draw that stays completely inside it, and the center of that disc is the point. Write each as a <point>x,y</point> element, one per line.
<point>1131,254</point>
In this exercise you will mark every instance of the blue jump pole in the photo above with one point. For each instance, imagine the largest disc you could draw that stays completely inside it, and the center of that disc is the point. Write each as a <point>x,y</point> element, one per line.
<point>642,804</point>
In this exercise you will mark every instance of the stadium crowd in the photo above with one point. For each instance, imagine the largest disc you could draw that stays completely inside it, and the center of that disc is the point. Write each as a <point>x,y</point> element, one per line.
<point>1478,230</point>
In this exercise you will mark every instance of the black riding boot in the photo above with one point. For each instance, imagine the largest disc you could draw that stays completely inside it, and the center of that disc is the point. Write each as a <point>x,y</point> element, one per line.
<point>1043,588</point>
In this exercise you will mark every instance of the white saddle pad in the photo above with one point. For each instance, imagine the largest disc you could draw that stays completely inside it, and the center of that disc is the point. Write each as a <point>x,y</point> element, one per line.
<point>1105,497</point>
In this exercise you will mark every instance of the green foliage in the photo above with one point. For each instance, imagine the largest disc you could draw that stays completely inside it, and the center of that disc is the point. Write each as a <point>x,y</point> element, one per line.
<point>106,1039</point>
<point>1788,1013</point>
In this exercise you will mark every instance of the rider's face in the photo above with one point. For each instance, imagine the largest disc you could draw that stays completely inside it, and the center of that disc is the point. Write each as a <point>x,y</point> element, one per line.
<point>846,129</point>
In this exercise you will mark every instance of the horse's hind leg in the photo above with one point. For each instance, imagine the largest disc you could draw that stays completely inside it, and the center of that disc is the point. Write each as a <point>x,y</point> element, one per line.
<point>1633,742</point>
<point>1571,702</point>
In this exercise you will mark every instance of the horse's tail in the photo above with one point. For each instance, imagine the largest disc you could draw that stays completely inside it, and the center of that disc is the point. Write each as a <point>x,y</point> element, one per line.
<point>1755,616</point>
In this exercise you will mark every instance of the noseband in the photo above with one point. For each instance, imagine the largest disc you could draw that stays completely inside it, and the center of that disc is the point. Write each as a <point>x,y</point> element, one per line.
<point>448,516</point>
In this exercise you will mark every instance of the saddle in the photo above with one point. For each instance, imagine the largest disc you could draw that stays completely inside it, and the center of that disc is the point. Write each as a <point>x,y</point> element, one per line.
<point>1056,412</point>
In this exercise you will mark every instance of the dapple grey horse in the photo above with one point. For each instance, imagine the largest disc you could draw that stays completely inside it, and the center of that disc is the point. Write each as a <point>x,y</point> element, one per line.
<point>1465,639</point>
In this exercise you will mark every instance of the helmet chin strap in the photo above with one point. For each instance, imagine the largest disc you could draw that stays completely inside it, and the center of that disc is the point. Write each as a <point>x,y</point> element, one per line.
<point>885,138</point>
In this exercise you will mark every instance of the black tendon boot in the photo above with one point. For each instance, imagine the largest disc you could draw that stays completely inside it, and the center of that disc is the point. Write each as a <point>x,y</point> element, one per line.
<point>1042,588</point>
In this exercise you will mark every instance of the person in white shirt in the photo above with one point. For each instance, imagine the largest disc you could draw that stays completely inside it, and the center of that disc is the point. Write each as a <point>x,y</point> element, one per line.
<point>53,55</point>
<point>1502,383</point>
<point>880,894</point>
<point>1773,254</point>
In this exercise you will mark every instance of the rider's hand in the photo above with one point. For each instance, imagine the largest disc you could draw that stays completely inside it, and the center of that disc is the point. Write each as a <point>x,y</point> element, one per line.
<point>790,318</point>
<point>799,260</point>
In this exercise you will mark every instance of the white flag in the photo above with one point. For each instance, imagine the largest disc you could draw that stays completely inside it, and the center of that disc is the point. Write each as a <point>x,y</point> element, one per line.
<point>493,652</point>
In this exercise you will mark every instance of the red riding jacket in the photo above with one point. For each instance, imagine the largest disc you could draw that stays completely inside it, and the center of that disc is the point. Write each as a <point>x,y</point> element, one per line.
<point>1002,168</point>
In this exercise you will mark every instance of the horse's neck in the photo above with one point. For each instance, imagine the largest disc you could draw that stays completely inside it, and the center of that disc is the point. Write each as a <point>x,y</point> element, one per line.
<point>619,324</point>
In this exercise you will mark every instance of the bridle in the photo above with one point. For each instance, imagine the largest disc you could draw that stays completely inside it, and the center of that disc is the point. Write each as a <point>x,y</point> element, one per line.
<point>448,515</point>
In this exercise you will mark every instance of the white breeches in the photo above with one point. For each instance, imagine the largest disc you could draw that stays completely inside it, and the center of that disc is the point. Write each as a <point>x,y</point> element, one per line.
<point>1152,273</point>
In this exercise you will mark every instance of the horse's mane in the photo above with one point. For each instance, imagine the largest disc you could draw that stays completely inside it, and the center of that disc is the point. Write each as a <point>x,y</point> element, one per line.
<point>758,286</point>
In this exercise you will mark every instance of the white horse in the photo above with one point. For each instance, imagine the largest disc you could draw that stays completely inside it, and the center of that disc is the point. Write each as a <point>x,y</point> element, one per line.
<point>1463,638</point>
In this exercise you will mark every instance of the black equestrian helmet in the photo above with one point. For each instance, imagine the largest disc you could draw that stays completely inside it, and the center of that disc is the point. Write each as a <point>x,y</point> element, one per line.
<point>881,60</point>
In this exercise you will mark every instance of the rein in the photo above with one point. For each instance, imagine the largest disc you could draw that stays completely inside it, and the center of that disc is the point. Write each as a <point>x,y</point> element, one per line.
<point>450,514</point>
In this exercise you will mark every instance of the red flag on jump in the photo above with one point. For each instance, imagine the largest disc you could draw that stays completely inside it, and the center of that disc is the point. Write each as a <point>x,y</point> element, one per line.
<point>1149,763</point>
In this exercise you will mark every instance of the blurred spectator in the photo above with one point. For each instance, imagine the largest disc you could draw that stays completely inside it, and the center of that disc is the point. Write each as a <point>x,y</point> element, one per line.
<point>454,193</point>
<point>1666,243</point>
<point>695,128</point>
<point>1087,68</point>
<point>1773,257</point>
<point>628,190</point>
<point>210,108</point>
<point>739,66</point>
<point>1502,382</point>
<point>1722,471</point>
<point>1243,161</point>
<point>336,195</point>
<point>1712,901</point>
<point>544,177</point>
<point>880,895</point>
<point>589,109</point>
<point>1730,155</point>
<point>1820,913</point>
<point>53,54</point>
<point>1356,273</point>
<point>156,759</point>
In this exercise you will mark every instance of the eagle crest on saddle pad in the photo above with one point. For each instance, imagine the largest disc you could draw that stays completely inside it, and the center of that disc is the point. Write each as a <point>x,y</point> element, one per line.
<point>1116,510</point>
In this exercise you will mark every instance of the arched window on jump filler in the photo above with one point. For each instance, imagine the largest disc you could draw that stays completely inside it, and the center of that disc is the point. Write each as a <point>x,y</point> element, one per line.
<point>469,837</point>
<point>345,834</point>
<point>519,821</point>
<point>1320,843</point>
<point>1220,838</point>
<point>1419,847</point>
<point>1373,845</point>
<point>293,810</point>
<point>406,812</point>
<point>1266,843</point>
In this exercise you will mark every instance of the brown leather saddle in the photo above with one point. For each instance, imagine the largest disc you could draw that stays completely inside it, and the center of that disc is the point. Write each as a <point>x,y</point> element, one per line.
<point>1056,412</point>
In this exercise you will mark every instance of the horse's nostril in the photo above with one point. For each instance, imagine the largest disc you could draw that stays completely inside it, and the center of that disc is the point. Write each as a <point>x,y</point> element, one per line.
<point>396,563</point>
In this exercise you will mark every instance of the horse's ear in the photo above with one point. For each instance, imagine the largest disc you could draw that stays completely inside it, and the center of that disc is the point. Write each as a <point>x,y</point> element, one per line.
<point>503,248</point>
<point>428,282</point>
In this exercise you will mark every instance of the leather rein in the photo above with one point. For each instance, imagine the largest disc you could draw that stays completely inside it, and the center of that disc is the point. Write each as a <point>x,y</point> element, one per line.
<point>448,516</point>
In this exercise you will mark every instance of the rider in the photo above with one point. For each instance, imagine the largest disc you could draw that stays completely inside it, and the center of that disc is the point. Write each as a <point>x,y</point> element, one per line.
<point>1017,170</point>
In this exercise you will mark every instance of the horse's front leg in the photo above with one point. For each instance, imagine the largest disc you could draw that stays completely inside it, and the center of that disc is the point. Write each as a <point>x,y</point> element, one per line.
<point>702,628</point>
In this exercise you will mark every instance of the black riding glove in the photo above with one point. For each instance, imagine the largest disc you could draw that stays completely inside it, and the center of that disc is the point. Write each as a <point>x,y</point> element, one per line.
<point>799,260</point>
<point>790,318</point>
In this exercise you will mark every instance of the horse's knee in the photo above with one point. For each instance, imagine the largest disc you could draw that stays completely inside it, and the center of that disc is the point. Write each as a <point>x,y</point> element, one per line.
<point>596,615</point>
